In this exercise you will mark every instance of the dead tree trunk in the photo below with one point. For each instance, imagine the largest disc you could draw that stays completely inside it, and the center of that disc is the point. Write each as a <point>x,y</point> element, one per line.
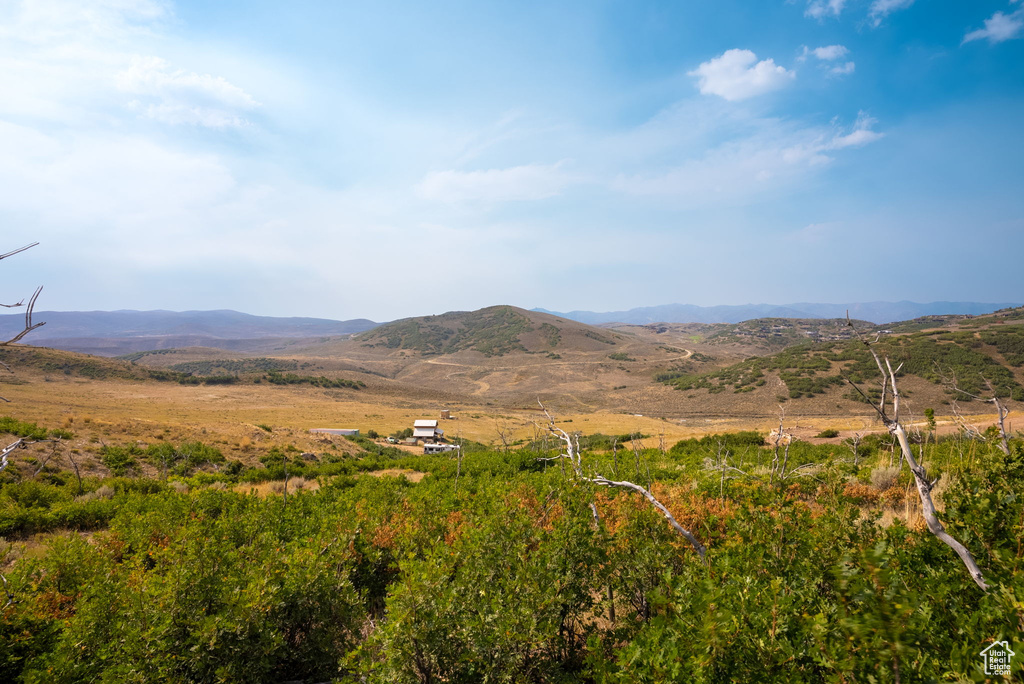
<point>1001,412</point>
<point>924,486</point>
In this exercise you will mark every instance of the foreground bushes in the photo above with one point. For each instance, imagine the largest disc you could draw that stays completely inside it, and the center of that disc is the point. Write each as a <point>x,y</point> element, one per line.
<point>497,570</point>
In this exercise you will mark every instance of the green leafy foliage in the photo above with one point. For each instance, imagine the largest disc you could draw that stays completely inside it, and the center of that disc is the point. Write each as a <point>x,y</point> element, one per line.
<point>237,366</point>
<point>941,357</point>
<point>493,331</point>
<point>18,428</point>
<point>276,378</point>
<point>494,568</point>
<point>120,460</point>
<point>182,459</point>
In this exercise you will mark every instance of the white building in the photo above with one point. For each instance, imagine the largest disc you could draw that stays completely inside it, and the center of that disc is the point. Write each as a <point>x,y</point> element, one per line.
<point>427,430</point>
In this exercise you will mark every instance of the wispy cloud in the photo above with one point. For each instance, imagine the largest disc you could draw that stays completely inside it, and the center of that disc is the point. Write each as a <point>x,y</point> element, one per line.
<point>819,9</point>
<point>880,9</point>
<point>999,27</point>
<point>862,134</point>
<point>43,21</point>
<point>176,96</point>
<point>518,183</point>
<point>737,75</point>
<point>768,162</point>
<point>844,69</point>
<point>829,54</point>
<point>74,62</point>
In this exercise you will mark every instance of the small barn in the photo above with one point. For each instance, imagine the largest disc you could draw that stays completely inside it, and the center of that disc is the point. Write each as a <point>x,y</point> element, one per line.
<point>427,430</point>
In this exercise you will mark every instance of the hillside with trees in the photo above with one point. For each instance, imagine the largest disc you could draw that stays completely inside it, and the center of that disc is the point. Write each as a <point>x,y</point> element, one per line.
<point>963,358</point>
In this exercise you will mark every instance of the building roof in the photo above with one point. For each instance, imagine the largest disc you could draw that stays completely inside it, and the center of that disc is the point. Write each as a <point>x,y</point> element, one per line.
<point>424,423</point>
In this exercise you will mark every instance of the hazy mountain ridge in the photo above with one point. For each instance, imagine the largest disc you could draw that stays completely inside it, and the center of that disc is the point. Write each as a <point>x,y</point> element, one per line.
<point>875,312</point>
<point>512,356</point>
<point>118,332</point>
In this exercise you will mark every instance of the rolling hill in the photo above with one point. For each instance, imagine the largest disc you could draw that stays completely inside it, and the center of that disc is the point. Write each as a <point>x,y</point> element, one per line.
<point>494,331</point>
<point>945,360</point>
<point>505,356</point>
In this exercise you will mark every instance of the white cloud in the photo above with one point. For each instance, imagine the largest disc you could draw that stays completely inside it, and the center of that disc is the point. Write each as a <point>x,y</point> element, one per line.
<point>73,63</point>
<point>880,9</point>
<point>518,183</point>
<point>999,27</point>
<point>843,69</point>
<point>860,135</point>
<point>761,165</point>
<point>830,52</point>
<point>819,9</point>
<point>44,21</point>
<point>737,75</point>
<point>176,96</point>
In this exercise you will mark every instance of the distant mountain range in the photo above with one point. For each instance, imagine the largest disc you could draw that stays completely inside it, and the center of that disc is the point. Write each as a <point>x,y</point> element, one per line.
<point>118,332</point>
<point>876,312</point>
<point>113,333</point>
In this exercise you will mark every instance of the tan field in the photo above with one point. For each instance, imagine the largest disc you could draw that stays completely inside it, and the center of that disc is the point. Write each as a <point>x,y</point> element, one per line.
<point>124,411</point>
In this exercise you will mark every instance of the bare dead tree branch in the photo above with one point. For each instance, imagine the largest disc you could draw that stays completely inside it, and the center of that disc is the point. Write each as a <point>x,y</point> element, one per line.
<point>1001,411</point>
<point>29,325</point>
<point>572,455</point>
<point>779,470</point>
<point>53,452</point>
<point>924,485</point>
<point>4,462</point>
<point>855,446</point>
<point>698,547</point>
<point>17,251</point>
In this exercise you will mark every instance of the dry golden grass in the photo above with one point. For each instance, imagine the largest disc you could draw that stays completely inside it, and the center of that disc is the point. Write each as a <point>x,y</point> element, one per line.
<point>128,411</point>
<point>410,475</point>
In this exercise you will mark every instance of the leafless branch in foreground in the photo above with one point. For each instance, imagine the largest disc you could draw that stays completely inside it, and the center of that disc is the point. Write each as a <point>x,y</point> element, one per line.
<point>17,251</point>
<point>1001,412</point>
<point>605,482</point>
<point>781,437</point>
<point>29,325</point>
<point>924,485</point>
<point>572,455</point>
<point>7,450</point>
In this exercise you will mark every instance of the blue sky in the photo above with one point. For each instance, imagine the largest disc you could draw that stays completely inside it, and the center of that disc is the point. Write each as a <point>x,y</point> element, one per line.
<point>388,159</point>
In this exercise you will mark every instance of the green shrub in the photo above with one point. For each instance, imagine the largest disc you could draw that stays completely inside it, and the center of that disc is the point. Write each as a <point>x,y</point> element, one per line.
<point>120,460</point>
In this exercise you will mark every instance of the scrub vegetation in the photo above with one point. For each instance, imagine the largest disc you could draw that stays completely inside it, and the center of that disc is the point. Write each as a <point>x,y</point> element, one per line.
<point>966,360</point>
<point>494,567</point>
